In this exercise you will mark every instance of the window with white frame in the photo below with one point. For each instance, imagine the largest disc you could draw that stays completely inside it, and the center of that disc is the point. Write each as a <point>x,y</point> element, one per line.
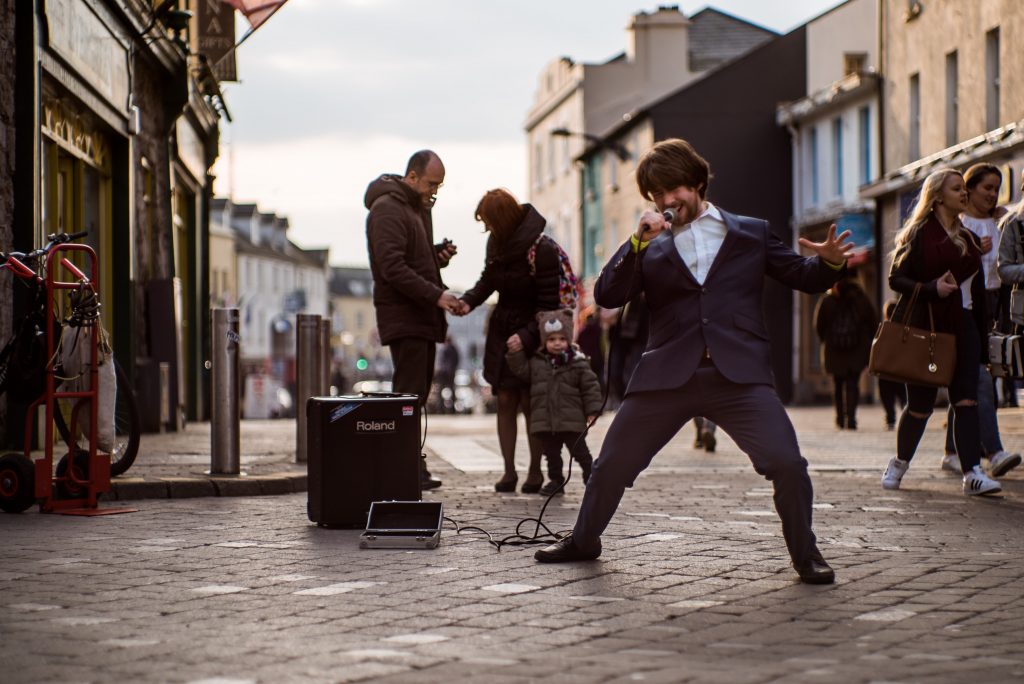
<point>952,84</point>
<point>837,155</point>
<point>812,151</point>
<point>914,110</point>
<point>864,140</point>
<point>992,79</point>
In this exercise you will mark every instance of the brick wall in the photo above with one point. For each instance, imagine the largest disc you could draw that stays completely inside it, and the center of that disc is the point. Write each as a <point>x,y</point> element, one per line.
<point>6,167</point>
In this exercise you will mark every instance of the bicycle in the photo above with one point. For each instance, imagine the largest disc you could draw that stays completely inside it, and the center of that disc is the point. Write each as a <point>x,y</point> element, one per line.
<point>25,363</point>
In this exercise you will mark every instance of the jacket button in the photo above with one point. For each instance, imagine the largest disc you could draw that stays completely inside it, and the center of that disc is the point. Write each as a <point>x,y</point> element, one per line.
<point>704,290</point>
<point>705,321</point>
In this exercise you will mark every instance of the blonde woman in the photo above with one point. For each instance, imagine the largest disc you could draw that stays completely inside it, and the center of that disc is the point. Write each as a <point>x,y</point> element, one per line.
<point>935,250</point>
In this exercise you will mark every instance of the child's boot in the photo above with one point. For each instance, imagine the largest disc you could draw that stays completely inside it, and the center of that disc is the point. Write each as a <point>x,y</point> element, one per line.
<point>555,484</point>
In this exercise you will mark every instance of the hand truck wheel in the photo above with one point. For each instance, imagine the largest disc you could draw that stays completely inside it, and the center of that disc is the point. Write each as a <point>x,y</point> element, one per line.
<point>66,489</point>
<point>17,483</point>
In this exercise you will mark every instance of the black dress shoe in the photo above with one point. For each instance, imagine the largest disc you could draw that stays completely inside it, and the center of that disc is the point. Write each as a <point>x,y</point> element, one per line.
<point>428,482</point>
<point>816,571</point>
<point>565,551</point>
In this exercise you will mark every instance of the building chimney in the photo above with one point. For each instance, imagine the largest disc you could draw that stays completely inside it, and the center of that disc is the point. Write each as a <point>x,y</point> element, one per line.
<point>658,44</point>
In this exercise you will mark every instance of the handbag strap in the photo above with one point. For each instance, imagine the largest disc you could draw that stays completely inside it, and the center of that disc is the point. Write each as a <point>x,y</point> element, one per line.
<point>910,306</point>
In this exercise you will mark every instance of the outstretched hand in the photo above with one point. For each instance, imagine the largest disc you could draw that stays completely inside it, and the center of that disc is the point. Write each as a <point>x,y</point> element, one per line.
<point>835,249</point>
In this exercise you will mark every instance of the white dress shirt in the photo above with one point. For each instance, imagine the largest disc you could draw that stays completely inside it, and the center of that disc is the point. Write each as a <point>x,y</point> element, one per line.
<point>698,242</point>
<point>986,227</point>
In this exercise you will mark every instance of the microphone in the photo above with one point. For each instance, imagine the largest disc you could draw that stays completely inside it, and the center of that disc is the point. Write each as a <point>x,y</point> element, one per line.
<point>669,214</point>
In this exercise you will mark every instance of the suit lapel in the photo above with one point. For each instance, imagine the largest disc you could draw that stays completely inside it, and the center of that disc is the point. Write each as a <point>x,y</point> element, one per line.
<point>666,244</point>
<point>732,232</point>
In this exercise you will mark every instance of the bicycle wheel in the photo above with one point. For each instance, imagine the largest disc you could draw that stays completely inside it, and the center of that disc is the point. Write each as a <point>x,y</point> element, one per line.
<point>127,428</point>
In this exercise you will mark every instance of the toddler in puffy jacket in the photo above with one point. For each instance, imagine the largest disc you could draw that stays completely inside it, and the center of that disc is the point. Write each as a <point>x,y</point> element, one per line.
<point>565,395</point>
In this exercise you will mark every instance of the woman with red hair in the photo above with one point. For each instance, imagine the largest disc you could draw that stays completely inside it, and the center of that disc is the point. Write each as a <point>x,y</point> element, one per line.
<point>524,287</point>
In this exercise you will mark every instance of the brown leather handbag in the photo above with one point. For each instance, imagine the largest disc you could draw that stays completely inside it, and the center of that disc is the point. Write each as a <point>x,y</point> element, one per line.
<point>902,353</point>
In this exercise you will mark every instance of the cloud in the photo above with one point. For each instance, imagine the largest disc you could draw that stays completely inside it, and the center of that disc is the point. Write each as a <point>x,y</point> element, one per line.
<point>318,182</point>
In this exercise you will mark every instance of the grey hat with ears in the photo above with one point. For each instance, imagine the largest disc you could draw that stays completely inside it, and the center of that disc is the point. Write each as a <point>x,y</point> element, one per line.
<point>552,322</point>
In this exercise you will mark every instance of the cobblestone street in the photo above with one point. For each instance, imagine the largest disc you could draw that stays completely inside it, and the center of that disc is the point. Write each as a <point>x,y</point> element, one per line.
<point>694,584</point>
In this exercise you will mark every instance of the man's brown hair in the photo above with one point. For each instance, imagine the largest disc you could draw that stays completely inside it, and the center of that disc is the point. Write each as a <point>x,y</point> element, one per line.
<point>669,164</point>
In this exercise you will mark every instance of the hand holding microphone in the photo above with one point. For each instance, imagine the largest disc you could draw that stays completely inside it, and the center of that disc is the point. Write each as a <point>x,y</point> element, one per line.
<point>652,224</point>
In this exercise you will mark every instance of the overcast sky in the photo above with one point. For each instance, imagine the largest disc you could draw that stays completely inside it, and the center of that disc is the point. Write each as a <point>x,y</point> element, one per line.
<point>336,92</point>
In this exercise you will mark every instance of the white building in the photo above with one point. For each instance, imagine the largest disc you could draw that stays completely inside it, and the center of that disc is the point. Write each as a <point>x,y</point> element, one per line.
<point>276,280</point>
<point>577,105</point>
<point>836,150</point>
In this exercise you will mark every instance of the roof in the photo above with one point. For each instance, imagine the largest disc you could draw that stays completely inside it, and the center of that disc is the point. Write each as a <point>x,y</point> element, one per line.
<point>291,253</point>
<point>631,118</point>
<point>351,281</point>
<point>717,37</point>
<point>963,154</point>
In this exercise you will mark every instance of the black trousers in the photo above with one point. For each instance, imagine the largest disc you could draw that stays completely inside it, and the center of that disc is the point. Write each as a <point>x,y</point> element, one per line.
<point>578,450</point>
<point>890,392</point>
<point>752,415</point>
<point>413,358</point>
<point>847,396</point>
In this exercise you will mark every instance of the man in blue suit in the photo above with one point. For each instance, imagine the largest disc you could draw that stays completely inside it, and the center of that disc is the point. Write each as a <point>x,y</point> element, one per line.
<point>702,273</point>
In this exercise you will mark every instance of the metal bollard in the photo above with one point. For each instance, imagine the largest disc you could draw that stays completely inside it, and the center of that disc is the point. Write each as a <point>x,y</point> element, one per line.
<point>307,375</point>
<point>325,357</point>
<point>224,423</point>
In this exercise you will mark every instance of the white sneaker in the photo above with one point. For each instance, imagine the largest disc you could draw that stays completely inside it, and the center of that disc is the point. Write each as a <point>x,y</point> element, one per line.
<point>894,472</point>
<point>951,462</point>
<point>1001,463</point>
<point>977,482</point>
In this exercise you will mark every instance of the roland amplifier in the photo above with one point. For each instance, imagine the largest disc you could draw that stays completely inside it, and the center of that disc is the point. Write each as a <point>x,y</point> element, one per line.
<point>361,449</point>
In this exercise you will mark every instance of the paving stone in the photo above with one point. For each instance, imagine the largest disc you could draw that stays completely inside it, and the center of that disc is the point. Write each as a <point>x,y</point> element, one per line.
<point>687,589</point>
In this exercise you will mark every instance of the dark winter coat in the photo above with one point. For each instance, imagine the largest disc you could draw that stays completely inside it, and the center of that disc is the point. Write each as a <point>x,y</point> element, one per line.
<point>843,298</point>
<point>932,254</point>
<point>520,294</point>
<point>561,397</point>
<point>404,263</point>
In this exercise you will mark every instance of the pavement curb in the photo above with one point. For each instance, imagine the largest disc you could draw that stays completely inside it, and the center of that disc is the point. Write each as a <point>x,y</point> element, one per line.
<point>129,489</point>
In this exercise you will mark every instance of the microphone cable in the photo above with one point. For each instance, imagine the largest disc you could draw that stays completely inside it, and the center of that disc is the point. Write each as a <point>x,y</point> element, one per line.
<point>518,538</point>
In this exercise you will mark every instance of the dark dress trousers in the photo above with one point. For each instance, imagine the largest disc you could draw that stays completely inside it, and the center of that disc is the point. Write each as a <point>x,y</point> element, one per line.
<point>675,381</point>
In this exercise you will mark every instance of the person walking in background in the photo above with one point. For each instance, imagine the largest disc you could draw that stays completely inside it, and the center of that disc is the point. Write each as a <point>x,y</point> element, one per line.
<point>982,182</point>
<point>936,253</point>
<point>705,434</point>
<point>590,340</point>
<point>524,289</point>
<point>890,392</point>
<point>845,322</point>
<point>702,271</point>
<point>1010,266</point>
<point>447,365</point>
<point>565,395</point>
<point>409,297</point>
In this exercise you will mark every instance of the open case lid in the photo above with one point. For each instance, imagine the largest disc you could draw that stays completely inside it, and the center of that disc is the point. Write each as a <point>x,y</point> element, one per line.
<point>405,517</point>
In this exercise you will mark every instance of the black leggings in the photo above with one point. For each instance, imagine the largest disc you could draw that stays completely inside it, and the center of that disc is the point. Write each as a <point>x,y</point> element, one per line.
<point>847,396</point>
<point>964,386</point>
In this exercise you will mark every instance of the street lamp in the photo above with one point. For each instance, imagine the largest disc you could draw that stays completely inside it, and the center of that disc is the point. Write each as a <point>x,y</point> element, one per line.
<point>598,142</point>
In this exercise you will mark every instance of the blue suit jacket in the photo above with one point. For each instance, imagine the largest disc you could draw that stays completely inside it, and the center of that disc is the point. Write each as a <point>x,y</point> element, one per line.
<point>724,315</point>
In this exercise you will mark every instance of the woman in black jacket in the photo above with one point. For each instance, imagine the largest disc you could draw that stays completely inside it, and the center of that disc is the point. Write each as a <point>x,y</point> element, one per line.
<point>525,285</point>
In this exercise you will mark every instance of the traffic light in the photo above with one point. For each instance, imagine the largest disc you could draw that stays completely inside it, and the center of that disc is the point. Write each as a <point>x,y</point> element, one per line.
<point>362,364</point>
